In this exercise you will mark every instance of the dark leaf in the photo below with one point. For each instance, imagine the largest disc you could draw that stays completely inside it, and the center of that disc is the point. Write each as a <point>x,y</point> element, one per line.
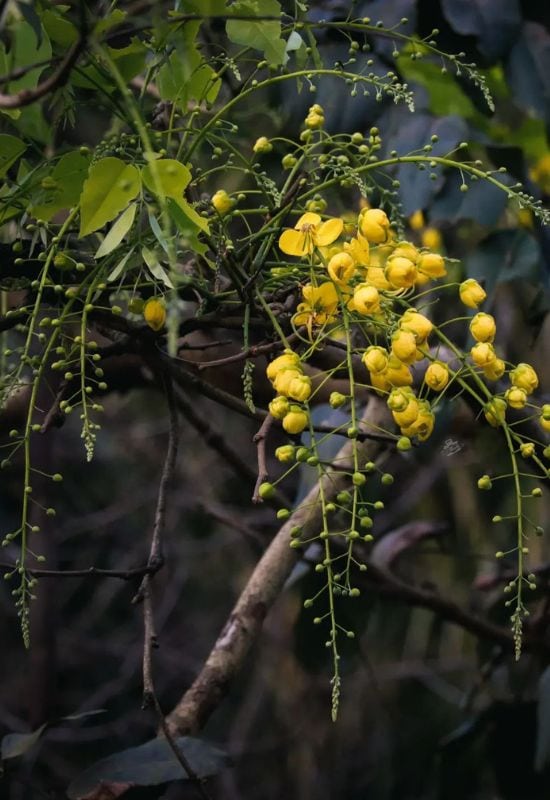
<point>528,70</point>
<point>149,764</point>
<point>483,202</point>
<point>17,744</point>
<point>504,256</point>
<point>494,23</point>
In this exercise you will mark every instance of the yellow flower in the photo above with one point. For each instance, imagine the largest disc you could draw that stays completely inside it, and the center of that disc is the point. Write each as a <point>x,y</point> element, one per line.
<point>341,268</point>
<point>379,382</point>
<point>279,407</point>
<point>401,272</point>
<point>309,233</point>
<point>483,353</point>
<point>483,327</point>
<point>222,202</point>
<point>375,276</point>
<point>432,265</point>
<point>416,220</point>
<point>494,369</point>
<point>515,397</point>
<point>471,293</point>
<point>319,306</point>
<point>437,376</point>
<point>525,377</point>
<point>375,359</point>
<point>527,449</point>
<point>358,248</point>
<point>495,411</point>
<point>431,238</point>
<point>525,218</point>
<point>399,399</point>
<point>374,224</point>
<point>285,453</point>
<point>412,320</point>
<point>403,345</point>
<point>262,145</point>
<point>295,386</point>
<point>406,250</point>
<point>287,359</point>
<point>397,373</point>
<point>409,415</point>
<point>366,299</point>
<point>154,313</point>
<point>296,420</point>
<point>284,378</point>
<point>540,173</point>
<point>544,424</point>
<point>423,425</point>
<point>313,121</point>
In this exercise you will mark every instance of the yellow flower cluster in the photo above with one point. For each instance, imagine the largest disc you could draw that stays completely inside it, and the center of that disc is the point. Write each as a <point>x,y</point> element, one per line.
<point>288,379</point>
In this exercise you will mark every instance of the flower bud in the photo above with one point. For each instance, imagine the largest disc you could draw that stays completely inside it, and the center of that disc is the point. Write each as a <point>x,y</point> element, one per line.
<point>471,293</point>
<point>482,354</point>
<point>374,225</point>
<point>262,145</point>
<point>483,327</point>
<point>516,397</point>
<point>403,346</point>
<point>375,359</point>
<point>366,299</point>
<point>287,359</point>
<point>495,411</point>
<point>412,320</point>
<point>525,377</point>
<point>432,265</point>
<point>154,314</point>
<point>337,399</point>
<point>437,376</point>
<point>484,483</point>
<point>222,202</point>
<point>401,272</point>
<point>295,421</point>
<point>285,453</point>
<point>279,407</point>
<point>494,369</point>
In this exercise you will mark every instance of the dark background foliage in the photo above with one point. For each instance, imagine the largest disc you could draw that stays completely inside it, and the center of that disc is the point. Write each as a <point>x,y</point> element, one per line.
<point>429,711</point>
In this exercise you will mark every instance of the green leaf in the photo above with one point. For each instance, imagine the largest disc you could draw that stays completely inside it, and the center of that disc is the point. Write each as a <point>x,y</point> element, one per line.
<point>11,148</point>
<point>110,187</point>
<point>186,75</point>
<point>263,35</point>
<point>65,185</point>
<point>155,267</point>
<point>117,232</point>
<point>17,744</point>
<point>110,21</point>
<point>192,215</point>
<point>150,764</point>
<point>168,175</point>
<point>118,270</point>
<point>187,229</point>
<point>157,230</point>
<point>59,29</point>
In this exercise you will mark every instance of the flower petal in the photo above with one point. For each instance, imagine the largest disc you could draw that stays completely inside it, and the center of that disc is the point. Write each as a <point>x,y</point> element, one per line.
<point>293,243</point>
<point>328,231</point>
<point>309,218</point>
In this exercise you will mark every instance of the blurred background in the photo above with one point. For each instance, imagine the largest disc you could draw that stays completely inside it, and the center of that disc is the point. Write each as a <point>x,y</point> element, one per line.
<point>432,705</point>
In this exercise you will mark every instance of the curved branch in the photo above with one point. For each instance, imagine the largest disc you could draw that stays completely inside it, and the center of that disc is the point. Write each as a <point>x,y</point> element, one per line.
<point>262,590</point>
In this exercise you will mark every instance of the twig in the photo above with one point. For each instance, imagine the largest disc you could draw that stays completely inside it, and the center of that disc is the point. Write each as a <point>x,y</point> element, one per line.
<point>156,557</point>
<point>262,589</point>
<point>260,440</point>
<point>88,572</point>
<point>57,79</point>
<point>251,352</point>
<point>20,72</point>
<point>149,694</point>
<point>54,416</point>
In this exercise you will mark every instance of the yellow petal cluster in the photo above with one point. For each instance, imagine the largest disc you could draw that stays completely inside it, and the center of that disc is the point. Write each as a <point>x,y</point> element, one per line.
<point>308,233</point>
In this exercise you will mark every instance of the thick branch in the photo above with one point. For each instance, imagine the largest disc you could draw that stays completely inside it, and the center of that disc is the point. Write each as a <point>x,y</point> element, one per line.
<point>263,588</point>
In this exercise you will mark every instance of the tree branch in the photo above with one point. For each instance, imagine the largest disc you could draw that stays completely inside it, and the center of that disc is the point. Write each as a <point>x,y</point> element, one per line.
<point>263,588</point>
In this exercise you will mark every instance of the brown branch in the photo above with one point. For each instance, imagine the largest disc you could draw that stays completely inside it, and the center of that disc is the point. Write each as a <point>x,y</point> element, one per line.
<point>260,439</point>
<point>88,572</point>
<point>156,557</point>
<point>386,583</point>
<point>20,72</point>
<point>251,352</point>
<point>57,79</point>
<point>150,695</point>
<point>261,591</point>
